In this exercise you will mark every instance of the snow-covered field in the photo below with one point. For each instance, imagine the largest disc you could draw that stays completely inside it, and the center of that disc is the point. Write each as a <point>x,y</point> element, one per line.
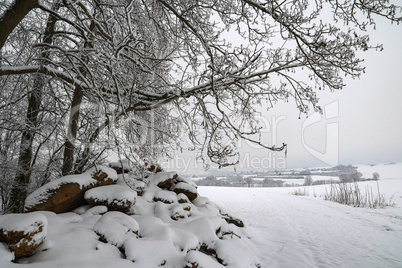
<point>307,231</point>
<point>282,230</point>
<point>386,171</point>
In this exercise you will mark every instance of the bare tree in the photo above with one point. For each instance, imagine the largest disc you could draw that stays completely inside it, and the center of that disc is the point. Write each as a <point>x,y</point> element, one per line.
<point>308,180</point>
<point>249,180</point>
<point>12,15</point>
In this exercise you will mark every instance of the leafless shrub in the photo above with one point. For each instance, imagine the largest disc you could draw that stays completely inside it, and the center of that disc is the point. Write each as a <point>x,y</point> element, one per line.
<point>301,192</point>
<point>351,194</point>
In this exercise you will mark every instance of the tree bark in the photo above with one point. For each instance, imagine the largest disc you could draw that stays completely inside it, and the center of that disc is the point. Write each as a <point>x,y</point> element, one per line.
<point>69,147</point>
<point>13,16</point>
<point>20,188</point>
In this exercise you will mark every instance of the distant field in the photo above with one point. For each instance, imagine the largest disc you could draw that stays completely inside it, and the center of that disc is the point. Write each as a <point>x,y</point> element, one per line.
<point>307,231</point>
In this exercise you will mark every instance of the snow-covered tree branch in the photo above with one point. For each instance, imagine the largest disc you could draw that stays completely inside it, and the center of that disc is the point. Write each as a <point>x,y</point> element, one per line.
<point>158,65</point>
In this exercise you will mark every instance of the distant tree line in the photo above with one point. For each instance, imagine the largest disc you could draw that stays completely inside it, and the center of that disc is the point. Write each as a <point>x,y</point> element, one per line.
<point>345,173</point>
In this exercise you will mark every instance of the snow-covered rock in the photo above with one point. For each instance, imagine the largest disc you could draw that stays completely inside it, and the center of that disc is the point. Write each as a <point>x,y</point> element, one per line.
<point>115,228</point>
<point>166,197</point>
<point>114,197</point>
<point>235,253</point>
<point>152,168</point>
<point>196,259</point>
<point>152,253</point>
<point>138,186</point>
<point>163,179</point>
<point>67,193</point>
<point>86,212</point>
<point>187,189</point>
<point>188,181</point>
<point>231,219</point>
<point>122,166</point>
<point>169,226</point>
<point>182,198</point>
<point>23,233</point>
<point>180,211</point>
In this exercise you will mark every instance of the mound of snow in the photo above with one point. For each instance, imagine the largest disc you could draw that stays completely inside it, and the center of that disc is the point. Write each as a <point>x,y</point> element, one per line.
<point>125,164</point>
<point>170,227</point>
<point>115,228</point>
<point>198,259</point>
<point>152,253</point>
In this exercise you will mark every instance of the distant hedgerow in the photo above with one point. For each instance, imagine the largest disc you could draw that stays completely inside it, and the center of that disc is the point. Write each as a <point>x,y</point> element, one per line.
<point>351,194</point>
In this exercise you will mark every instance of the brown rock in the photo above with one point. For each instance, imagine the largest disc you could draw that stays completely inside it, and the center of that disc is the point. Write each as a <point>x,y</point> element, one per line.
<point>163,180</point>
<point>121,166</point>
<point>114,197</point>
<point>114,205</point>
<point>166,184</point>
<point>187,208</point>
<point>182,198</point>
<point>186,189</point>
<point>167,197</point>
<point>154,168</point>
<point>180,211</point>
<point>102,179</point>
<point>23,233</point>
<point>138,185</point>
<point>158,199</point>
<point>65,198</point>
<point>230,219</point>
<point>66,193</point>
<point>24,248</point>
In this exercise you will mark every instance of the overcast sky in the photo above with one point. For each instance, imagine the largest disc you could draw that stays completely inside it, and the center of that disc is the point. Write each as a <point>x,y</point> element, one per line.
<point>369,112</point>
<point>361,124</point>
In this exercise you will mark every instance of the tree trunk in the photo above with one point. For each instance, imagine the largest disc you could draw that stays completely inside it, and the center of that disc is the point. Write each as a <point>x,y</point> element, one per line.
<point>13,16</point>
<point>19,190</point>
<point>20,187</point>
<point>69,149</point>
<point>69,145</point>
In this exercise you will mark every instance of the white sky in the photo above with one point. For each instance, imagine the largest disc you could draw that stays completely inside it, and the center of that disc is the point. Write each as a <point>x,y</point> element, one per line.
<point>365,128</point>
<point>370,110</point>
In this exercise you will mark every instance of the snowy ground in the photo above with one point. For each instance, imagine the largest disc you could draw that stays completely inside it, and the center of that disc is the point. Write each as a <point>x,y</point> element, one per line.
<point>282,230</point>
<point>387,171</point>
<point>307,231</point>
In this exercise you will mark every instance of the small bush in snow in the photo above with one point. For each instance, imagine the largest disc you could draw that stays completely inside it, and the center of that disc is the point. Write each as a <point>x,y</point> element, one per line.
<point>300,192</point>
<point>350,194</point>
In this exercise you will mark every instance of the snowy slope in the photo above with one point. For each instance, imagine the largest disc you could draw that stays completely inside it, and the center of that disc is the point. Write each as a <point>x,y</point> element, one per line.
<point>282,230</point>
<point>306,231</point>
<point>386,171</point>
